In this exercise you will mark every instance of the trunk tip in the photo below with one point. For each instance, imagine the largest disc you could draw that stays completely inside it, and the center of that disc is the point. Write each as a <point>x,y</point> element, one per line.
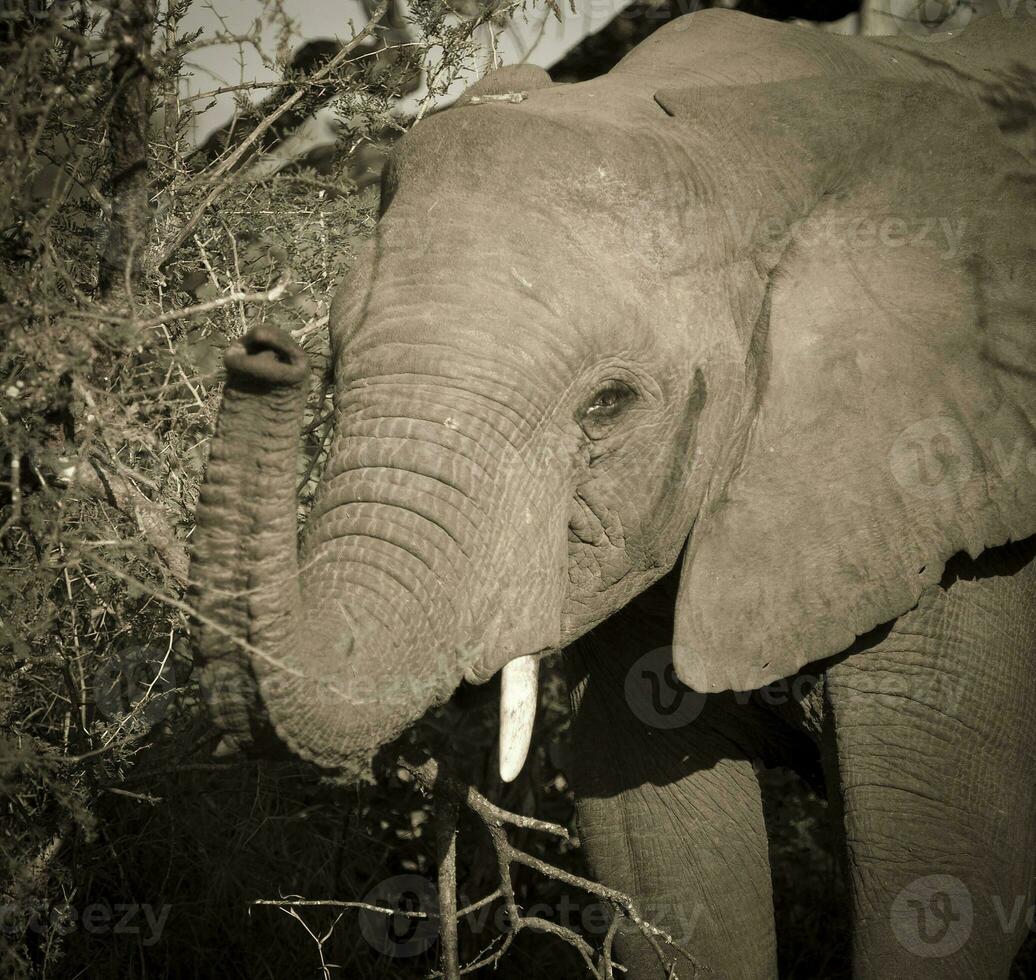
<point>268,356</point>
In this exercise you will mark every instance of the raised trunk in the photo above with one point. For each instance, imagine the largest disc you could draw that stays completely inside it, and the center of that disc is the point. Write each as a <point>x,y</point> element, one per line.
<point>244,568</point>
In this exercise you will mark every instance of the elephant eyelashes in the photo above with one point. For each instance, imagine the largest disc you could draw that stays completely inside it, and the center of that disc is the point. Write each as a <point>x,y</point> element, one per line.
<point>607,404</point>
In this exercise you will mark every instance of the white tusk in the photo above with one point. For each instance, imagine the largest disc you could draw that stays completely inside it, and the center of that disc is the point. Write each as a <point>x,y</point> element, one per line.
<point>518,694</point>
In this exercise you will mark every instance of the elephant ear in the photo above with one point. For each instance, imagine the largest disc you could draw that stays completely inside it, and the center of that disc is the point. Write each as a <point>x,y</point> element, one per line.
<point>893,363</point>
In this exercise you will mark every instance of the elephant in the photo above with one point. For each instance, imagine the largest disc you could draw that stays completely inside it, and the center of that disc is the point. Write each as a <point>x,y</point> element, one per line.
<point>728,354</point>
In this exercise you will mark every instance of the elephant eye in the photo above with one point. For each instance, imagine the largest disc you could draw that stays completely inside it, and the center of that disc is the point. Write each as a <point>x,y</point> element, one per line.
<point>606,404</point>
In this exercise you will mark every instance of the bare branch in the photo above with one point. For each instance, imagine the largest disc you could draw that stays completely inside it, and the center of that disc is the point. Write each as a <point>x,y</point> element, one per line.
<point>428,774</point>
<point>446,786</point>
<point>446,841</point>
<point>331,904</point>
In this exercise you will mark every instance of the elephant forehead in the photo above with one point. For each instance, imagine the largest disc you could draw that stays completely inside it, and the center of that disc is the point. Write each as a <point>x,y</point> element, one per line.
<point>510,275</point>
<point>558,150</point>
<point>490,145</point>
<point>546,199</point>
<point>483,285</point>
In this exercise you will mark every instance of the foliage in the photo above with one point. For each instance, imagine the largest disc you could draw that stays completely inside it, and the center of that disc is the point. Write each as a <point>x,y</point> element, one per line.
<point>108,392</point>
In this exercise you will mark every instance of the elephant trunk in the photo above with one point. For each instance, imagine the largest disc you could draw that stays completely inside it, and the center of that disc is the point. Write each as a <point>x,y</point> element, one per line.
<point>335,654</point>
<point>244,571</point>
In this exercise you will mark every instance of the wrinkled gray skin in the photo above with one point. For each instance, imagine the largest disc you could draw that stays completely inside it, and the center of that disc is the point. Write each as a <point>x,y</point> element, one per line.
<point>604,326</point>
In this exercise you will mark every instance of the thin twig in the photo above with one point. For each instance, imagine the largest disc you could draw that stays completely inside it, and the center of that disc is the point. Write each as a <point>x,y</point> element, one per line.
<point>186,312</point>
<point>331,904</point>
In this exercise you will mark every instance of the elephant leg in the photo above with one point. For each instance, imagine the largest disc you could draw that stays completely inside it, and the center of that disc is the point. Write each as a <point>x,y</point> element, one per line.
<point>669,806</point>
<point>934,733</point>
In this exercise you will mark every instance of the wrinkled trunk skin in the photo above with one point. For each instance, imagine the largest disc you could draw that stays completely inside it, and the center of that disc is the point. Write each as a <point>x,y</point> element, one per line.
<point>244,569</point>
<point>333,655</point>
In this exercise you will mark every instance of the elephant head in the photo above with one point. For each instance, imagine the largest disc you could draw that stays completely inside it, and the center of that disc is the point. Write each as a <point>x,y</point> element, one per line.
<point>605,324</point>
